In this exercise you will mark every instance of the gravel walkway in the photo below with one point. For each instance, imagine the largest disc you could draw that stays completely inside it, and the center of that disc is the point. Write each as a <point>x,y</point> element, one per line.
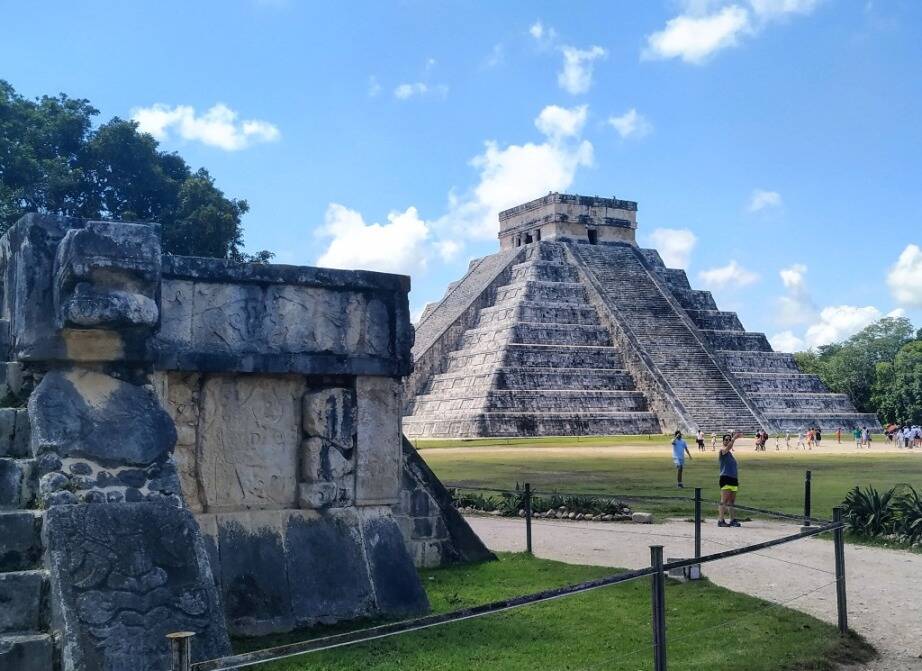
<point>884,600</point>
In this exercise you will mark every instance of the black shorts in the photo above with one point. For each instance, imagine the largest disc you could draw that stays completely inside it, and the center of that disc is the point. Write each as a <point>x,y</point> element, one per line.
<point>728,481</point>
<point>700,443</point>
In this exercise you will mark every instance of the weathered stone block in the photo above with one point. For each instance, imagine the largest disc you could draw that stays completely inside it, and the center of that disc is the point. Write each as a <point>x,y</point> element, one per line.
<point>125,575</point>
<point>330,413</point>
<point>317,495</point>
<point>250,438</point>
<point>81,413</point>
<point>15,481</point>
<point>378,456</point>
<point>107,275</point>
<point>322,460</point>
<point>26,652</point>
<point>397,585</point>
<point>22,601</point>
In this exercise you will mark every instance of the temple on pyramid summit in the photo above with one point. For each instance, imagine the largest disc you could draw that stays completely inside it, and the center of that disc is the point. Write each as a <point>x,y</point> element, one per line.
<point>572,329</point>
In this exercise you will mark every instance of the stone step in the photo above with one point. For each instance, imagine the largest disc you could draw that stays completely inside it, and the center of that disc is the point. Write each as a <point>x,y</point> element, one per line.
<point>26,652</point>
<point>545,271</point>
<point>782,402</point>
<point>20,540</point>
<point>544,400</point>
<point>780,382</point>
<point>17,483</point>
<point>535,291</point>
<point>550,313</point>
<point>800,421</point>
<point>23,596</point>
<point>531,355</point>
<point>716,320</point>
<point>538,334</point>
<point>14,432</point>
<point>532,378</point>
<point>517,424</point>
<point>737,340</point>
<point>758,362</point>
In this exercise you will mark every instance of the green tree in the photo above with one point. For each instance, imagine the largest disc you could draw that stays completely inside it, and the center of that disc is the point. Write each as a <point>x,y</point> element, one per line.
<point>898,387</point>
<point>53,160</point>
<point>850,367</point>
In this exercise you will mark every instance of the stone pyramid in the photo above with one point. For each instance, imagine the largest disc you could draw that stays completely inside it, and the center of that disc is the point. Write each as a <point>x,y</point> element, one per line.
<point>571,329</point>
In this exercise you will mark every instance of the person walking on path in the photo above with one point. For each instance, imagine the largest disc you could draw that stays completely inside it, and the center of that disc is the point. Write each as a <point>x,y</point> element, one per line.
<point>866,438</point>
<point>699,439</point>
<point>857,434</point>
<point>679,450</point>
<point>800,440</point>
<point>728,481</point>
<point>839,435</point>
<point>818,436</point>
<point>713,442</point>
<point>787,440</point>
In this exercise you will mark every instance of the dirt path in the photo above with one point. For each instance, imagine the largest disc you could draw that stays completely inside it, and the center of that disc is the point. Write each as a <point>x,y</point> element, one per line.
<point>884,603</point>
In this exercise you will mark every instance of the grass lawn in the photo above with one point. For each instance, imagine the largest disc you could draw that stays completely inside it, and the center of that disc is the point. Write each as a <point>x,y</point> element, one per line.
<point>772,480</point>
<point>605,629</point>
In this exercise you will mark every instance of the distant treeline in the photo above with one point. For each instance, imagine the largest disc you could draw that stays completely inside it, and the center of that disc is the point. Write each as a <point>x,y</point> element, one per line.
<point>880,368</point>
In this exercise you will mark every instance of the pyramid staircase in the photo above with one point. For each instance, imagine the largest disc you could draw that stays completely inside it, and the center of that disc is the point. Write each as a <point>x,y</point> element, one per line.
<point>26,643</point>
<point>787,398</point>
<point>675,347</point>
<point>537,362</point>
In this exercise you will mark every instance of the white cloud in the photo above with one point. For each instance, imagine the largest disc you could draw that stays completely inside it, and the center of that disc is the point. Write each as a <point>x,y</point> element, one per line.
<point>559,122</point>
<point>695,38</point>
<point>796,307</point>
<point>517,173</point>
<point>507,176</point>
<point>631,124</point>
<point>674,245</point>
<point>786,341</point>
<point>496,57</point>
<point>838,322</point>
<point>762,200</point>
<point>905,277</point>
<point>707,26</point>
<point>543,34</point>
<point>399,246</point>
<point>576,75</point>
<point>374,86</point>
<point>418,90</point>
<point>732,275</point>
<point>772,9</point>
<point>218,127</point>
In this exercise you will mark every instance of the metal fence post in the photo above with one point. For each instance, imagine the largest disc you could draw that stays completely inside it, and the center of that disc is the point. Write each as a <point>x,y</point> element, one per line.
<point>658,598</point>
<point>181,650</point>
<point>839,540</point>
<point>528,518</point>
<point>697,522</point>
<point>807,480</point>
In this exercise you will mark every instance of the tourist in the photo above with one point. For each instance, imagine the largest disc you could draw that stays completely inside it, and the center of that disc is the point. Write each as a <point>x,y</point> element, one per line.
<point>866,438</point>
<point>713,441</point>
<point>811,436</point>
<point>699,439</point>
<point>857,434</point>
<point>787,440</point>
<point>679,450</point>
<point>728,482</point>
<point>818,436</point>
<point>777,442</point>
<point>839,435</point>
<point>800,440</point>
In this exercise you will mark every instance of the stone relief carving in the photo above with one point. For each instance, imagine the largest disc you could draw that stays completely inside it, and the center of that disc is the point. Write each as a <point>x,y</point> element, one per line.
<point>328,451</point>
<point>128,575</point>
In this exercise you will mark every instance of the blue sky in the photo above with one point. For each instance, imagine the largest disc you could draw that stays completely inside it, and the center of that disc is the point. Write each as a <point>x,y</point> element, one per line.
<point>774,146</point>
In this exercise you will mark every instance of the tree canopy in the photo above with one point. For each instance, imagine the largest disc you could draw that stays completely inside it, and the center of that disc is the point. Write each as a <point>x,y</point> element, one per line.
<point>855,366</point>
<point>53,160</point>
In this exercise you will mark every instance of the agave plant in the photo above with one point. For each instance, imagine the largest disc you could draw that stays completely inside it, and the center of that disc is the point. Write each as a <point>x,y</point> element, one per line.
<point>908,507</point>
<point>870,511</point>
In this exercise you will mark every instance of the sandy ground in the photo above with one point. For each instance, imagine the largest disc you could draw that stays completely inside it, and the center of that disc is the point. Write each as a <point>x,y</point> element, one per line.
<point>661,445</point>
<point>884,601</point>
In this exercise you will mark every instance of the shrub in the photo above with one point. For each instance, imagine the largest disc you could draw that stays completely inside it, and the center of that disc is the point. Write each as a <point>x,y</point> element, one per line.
<point>908,507</point>
<point>869,511</point>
